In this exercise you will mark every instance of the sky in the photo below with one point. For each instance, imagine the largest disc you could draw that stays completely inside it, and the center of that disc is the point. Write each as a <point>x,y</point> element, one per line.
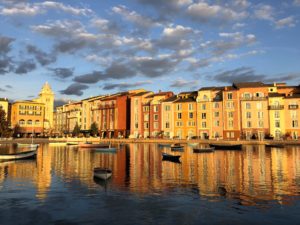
<point>87,48</point>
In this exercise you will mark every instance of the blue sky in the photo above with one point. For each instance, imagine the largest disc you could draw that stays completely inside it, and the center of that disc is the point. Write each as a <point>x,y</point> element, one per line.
<point>87,48</point>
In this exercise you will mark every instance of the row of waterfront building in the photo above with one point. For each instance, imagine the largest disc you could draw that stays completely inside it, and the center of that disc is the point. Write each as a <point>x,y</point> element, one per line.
<point>249,110</point>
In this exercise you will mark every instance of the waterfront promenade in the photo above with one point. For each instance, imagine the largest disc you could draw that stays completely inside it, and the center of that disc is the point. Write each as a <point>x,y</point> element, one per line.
<point>151,140</point>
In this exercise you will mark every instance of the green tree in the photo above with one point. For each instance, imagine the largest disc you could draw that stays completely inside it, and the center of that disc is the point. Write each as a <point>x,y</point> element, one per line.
<point>17,130</point>
<point>76,130</point>
<point>94,129</point>
<point>4,129</point>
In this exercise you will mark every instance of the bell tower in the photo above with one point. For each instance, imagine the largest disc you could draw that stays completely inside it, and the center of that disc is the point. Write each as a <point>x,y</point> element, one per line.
<point>46,96</point>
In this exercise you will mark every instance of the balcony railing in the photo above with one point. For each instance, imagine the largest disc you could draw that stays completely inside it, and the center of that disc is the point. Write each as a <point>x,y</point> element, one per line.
<point>276,107</point>
<point>293,106</point>
<point>253,98</point>
<point>107,106</point>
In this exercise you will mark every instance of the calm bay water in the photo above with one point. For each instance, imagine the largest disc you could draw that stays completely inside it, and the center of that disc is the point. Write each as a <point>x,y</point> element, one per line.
<point>255,185</point>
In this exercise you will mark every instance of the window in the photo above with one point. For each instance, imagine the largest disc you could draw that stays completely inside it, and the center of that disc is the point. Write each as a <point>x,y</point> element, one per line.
<point>260,115</point>
<point>216,105</point>
<point>155,108</point>
<point>191,123</point>
<point>203,124</point>
<point>203,116</point>
<point>293,114</point>
<point>217,123</point>
<point>178,123</point>
<point>178,115</point>
<point>155,117</point>
<point>229,105</point>
<point>248,124</point>
<point>217,114</point>
<point>191,115</point>
<point>29,122</point>
<point>277,114</point>
<point>146,108</point>
<point>248,105</point>
<point>167,125</point>
<point>203,106</point>
<point>259,105</point>
<point>167,108</point>
<point>136,125</point>
<point>178,107</point>
<point>190,106</point>
<point>37,122</point>
<point>229,95</point>
<point>146,117</point>
<point>155,125</point>
<point>146,125</point>
<point>22,122</point>
<point>295,123</point>
<point>277,123</point>
<point>230,123</point>
<point>260,123</point>
<point>247,95</point>
<point>230,114</point>
<point>248,115</point>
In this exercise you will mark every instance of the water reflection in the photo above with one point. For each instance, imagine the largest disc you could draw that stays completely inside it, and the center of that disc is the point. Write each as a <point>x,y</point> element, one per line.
<point>250,176</point>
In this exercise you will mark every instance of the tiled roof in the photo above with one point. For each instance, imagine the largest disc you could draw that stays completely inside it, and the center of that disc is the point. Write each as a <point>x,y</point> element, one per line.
<point>211,88</point>
<point>141,93</point>
<point>185,100</point>
<point>171,99</point>
<point>248,84</point>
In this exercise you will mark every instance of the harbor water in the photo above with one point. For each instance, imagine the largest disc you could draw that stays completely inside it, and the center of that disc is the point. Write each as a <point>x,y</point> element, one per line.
<point>257,185</point>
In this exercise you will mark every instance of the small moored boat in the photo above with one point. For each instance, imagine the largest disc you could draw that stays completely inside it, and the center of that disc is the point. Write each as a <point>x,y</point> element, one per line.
<point>161,145</point>
<point>203,150</point>
<point>226,147</point>
<point>177,147</point>
<point>72,143</point>
<point>21,145</point>
<point>19,155</point>
<point>91,145</point>
<point>102,173</point>
<point>108,150</point>
<point>275,145</point>
<point>169,157</point>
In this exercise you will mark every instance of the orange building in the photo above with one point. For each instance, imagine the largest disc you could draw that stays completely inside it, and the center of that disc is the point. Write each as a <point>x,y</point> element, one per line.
<point>29,116</point>
<point>292,116</point>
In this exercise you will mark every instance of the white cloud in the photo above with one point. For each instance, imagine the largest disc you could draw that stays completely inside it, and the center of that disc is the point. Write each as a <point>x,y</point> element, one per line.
<point>297,2</point>
<point>204,12</point>
<point>264,12</point>
<point>285,22</point>
<point>26,9</point>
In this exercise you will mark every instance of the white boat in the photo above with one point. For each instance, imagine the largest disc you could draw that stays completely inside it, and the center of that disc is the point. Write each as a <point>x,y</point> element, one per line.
<point>102,173</point>
<point>19,155</point>
<point>28,145</point>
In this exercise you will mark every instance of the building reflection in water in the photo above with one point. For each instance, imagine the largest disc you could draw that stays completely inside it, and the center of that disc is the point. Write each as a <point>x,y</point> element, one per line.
<point>253,175</point>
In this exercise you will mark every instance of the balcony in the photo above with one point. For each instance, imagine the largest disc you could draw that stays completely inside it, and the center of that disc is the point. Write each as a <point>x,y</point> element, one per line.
<point>293,106</point>
<point>276,107</point>
<point>253,98</point>
<point>107,106</point>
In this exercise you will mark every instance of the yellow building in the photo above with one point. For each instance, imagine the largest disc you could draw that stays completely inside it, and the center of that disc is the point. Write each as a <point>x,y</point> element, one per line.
<point>46,96</point>
<point>29,115</point>
<point>292,116</point>
<point>185,113</point>
<point>277,115</point>
<point>210,113</point>
<point>167,117</point>
<point>4,106</point>
<point>73,115</point>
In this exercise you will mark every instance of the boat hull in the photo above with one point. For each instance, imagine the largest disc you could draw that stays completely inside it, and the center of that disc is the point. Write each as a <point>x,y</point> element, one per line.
<point>17,156</point>
<point>84,145</point>
<point>226,147</point>
<point>203,150</point>
<point>274,146</point>
<point>102,173</point>
<point>108,150</point>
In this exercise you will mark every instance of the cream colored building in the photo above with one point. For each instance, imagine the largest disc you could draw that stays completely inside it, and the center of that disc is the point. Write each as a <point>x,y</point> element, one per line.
<point>4,105</point>
<point>46,96</point>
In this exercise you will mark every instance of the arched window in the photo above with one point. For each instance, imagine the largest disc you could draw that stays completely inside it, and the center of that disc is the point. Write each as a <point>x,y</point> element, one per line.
<point>37,122</point>
<point>29,122</point>
<point>21,122</point>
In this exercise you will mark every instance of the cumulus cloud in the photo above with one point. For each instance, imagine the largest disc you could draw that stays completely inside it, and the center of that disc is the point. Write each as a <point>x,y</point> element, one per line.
<point>297,2</point>
<point>203,12</point>
<point>6,65</point>
<point>74,89</point>
<point>26,9</point>
<point>42,57</point>
<point>248,74</point>
<point>5,44</point>
<point>264,12</point>
<point>25,67</point>
<point>62,73</point>
<point>125,86</point>
<point>179,83</point>
<point>140,21</point>
<point>8,86</point>
<point>285,22</point>
<point>2,90</point>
